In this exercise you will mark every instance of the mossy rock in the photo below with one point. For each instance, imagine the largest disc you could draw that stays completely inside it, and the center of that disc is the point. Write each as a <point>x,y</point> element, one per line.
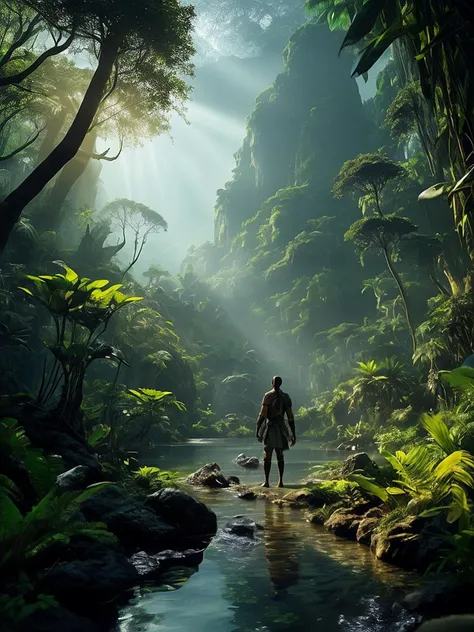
<point>343,523</point>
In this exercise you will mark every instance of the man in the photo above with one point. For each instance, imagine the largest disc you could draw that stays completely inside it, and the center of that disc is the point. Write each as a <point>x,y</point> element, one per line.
<point>273,430</point>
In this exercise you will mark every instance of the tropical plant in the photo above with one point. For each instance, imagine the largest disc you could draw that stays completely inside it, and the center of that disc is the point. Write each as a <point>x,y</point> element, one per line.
<point>152,478</point>
<point>80,310</point>
<point>385,233</point>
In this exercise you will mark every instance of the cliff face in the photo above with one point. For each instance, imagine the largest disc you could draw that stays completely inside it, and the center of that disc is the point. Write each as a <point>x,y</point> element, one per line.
<point>285,272</point>
<point>302,129</point>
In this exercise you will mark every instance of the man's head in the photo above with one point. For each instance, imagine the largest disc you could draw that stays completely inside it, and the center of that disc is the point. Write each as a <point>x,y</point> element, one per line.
<point>277,382</point>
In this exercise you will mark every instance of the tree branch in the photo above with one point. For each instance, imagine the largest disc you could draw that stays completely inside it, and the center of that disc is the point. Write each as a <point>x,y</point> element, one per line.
<point>22,147</point>
<point>19,77</point>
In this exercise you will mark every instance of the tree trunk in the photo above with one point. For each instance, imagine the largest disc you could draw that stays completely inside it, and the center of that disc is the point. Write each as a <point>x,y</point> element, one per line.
<point>13,205</point>
<point>403,295</point>
<point>55,125</point>
<point>50,216</point>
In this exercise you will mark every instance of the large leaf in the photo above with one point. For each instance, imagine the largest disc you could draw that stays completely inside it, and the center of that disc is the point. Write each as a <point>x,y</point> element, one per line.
<point>436,427</point>
<point>363,23</point>
<point>461,378</point>
<point>369,486</point>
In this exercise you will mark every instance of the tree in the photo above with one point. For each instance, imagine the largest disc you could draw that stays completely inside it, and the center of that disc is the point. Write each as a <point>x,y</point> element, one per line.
<point>432,44</point>
<point>154,274</point>
<point>22,51</point>
<point>139,40</point>
<point>368,174</point>
<point>140,220</point>
<point>385,233</point>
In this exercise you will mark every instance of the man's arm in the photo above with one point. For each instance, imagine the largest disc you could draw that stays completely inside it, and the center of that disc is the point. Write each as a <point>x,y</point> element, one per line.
<point>261,418</point>
<point>291,422</point>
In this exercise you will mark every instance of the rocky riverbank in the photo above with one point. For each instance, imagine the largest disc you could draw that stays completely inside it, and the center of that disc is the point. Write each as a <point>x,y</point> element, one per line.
<point>91,576</point>
<point>401,538</point>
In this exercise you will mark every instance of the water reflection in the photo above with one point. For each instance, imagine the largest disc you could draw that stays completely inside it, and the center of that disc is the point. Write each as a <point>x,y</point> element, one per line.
<point>282,549</point>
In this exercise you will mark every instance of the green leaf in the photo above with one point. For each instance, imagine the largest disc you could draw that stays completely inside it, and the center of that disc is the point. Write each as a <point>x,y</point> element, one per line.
<point>461,378</point>
<point>98,432</point>
<point>436,427</point>
<point>363,22</point>
<point>370,486</point>
<point>395,491</point>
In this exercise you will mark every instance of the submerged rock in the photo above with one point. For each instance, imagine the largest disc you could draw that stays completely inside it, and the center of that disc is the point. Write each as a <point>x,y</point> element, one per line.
<point>243,527</point>
<point>247,461</point>
<point>210,475</point>
<point>134,524</point>
<point>151,566</point>
<point>193,519</point>
<point>247,494</point>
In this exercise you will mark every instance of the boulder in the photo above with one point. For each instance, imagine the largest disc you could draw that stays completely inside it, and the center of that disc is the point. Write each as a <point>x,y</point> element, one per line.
<point>318,517</point>
<point>247,461</point>
<point>365,530</point>
<point>455,623</point>
<point>193,519</point>
<point>414,542</point>
<point>233,480</point>
<point>210,475</point>
<point>344,523</point>
<point>305,497</point>
<point>135,525</point>
<point>83,585</point>
<point>440,596</point>
<point>75,479</point>
<point>56,620</point>
<point>243,527</point>
<point>360,462</point>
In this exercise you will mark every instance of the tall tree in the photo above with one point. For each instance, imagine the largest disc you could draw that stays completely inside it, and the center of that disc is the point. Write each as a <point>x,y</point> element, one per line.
<point>140,40</point>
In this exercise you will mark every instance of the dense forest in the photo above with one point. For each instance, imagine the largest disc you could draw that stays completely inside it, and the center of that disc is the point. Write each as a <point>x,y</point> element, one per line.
<point>342,259</point>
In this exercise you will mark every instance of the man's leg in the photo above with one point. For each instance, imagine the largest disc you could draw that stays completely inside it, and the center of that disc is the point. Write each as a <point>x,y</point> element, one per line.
<point>281,466</point>
<point>267,465</point>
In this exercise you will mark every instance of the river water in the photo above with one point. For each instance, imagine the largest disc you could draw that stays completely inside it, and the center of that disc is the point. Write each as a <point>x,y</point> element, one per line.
<point>296,577</point>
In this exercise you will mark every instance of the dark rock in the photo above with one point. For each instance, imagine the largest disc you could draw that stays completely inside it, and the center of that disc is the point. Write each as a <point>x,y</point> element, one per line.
<point>344,523</point>
<point>411,543</point>
<point>77,478</point>
<point>441,596</point>
<point>57,620</point>
<point>247,494</point>
<point>84,584</point>
<point>134,524</point>
<point>305,497</point>
<point>146,564</point>
<point>454,623</point>
<point>365,530</point>
<point>150,566</point>
<point>247,461</point>
<point>360,462</point>
<point>233,480</point>
<point>318,517</point>
<point>191,517</point>
<point>242,527</point>
<point>210,475</point>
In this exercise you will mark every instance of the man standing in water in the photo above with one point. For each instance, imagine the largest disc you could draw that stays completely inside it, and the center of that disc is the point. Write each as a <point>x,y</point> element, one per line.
<point>273,430</point>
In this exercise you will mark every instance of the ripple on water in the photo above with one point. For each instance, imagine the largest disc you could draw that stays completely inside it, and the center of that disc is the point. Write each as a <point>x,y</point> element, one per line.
<point>294,576</point>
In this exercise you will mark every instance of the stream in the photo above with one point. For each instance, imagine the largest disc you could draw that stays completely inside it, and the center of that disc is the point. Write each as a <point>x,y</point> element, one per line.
<point>296,576</point>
